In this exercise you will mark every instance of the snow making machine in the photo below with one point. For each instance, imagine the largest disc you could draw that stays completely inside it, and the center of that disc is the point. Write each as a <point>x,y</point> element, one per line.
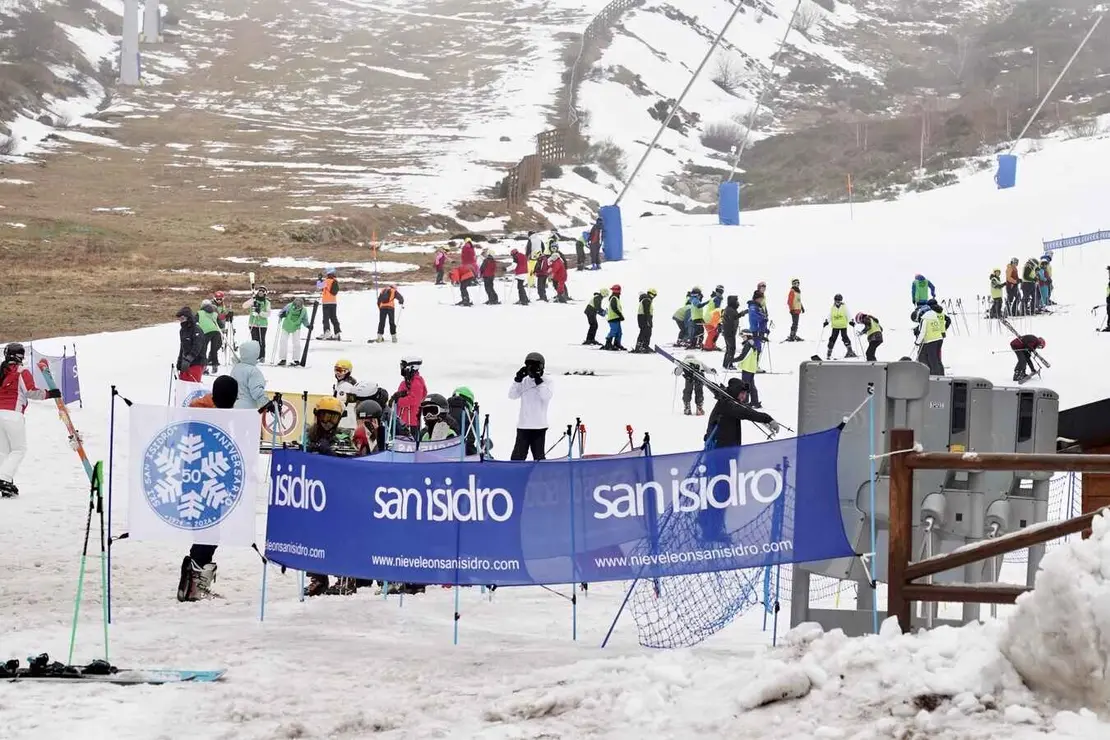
<point>952,508</point>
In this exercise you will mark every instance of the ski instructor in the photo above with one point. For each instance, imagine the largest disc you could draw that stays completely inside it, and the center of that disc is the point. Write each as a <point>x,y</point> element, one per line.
<point>17,386</point>
<point>535,396</point>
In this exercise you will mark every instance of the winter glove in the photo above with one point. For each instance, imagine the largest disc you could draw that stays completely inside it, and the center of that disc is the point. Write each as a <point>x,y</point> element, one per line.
<point>825,324</point>
<point>520,374</point>
<point>53,393</point>
<point>538,379</point>
<point>774,427</point>
<point>851,323</point>
<point>182,364</point>
<point>397,397</point>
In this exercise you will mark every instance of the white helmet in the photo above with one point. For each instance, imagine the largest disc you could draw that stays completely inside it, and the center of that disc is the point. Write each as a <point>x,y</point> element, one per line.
<point>365,389</point>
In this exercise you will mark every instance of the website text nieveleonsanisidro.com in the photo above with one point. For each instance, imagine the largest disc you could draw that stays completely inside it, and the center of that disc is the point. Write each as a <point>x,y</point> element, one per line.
<point>296,548</point>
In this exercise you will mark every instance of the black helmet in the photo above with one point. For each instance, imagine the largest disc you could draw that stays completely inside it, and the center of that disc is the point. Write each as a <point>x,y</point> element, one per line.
<point>368,410</point>
<point>433,404</point>
<point>838,298</point>
<point>14,351</point>
<point>534,358</point>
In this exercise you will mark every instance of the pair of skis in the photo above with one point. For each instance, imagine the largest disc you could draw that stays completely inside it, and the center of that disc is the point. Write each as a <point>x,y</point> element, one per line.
<point>1006,323</point>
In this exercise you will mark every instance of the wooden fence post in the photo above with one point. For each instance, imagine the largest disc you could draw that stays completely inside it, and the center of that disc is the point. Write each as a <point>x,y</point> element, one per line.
<point>901,527</point>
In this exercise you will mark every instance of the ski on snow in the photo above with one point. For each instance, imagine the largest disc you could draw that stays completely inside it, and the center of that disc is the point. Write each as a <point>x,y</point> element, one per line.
<point>100,672</point>
<point>63,414</point>
<point>1006,323</point>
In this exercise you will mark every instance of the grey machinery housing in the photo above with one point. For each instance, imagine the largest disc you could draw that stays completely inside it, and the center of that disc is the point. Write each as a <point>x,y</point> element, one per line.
<point>951,508</point>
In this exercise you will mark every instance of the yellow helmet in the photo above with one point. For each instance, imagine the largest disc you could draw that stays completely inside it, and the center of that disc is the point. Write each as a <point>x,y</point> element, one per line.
<point>344,365</point>
<point>328,404</point>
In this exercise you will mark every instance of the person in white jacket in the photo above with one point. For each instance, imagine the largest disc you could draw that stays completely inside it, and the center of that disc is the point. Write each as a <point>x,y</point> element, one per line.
<point>252,384</point>
<point>535,396</point>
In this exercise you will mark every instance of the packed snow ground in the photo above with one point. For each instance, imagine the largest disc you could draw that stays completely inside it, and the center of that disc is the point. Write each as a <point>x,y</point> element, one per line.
<point>360,666</point>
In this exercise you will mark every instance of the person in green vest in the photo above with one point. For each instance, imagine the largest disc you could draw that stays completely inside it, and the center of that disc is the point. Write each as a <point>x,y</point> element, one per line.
<point>874,332</point>
<point>259,317</point>
<point>931,332</point>
<point>682,319</point>
<point>593,310</point>
<point>996,294</point>
<point>212,326</point>
<point>645,312</point>
<point>838,319</point>
<point>695,328</point>
<point>615,316</point>
<point>922,290</point>
<point>749,366</point>
<point>1029,287</point>
<point>293,317</point>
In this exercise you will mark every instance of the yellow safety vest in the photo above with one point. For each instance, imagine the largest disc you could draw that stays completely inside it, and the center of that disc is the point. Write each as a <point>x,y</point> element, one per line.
<point>934,327</point>
<point>750,363</point>
<point>838,317</point>
<point>996,287</point>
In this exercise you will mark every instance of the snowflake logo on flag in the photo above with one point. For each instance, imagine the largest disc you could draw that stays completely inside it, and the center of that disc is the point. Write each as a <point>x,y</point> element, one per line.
<point>193,474</point>
<point>193,396</point>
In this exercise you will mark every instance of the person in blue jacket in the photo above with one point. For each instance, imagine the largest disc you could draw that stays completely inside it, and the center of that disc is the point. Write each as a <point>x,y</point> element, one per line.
<point>922,290</point>
<point>757,319</point>
<point>695,319</point>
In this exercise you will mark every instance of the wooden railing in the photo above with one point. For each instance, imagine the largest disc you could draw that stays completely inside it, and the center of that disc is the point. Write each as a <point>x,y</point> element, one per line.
<point>902,591</point>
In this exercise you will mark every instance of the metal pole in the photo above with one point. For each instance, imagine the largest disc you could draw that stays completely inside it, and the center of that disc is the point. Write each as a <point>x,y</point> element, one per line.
<point>1063,72</point>
<point>678,103</point>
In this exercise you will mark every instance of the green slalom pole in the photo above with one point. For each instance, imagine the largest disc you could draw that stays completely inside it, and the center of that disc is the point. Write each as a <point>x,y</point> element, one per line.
<point>84,559</point>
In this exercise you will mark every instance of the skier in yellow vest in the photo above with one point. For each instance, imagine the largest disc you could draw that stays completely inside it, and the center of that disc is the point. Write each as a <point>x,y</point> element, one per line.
<point>931,332</point>
<point>874,332</point>
<point>838,319</point>
<point>996,295</point>
<point>749,366</point>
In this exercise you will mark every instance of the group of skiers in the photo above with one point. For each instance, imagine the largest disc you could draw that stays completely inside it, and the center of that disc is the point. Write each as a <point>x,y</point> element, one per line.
<point>1027,292</point>
<point>607,302</point>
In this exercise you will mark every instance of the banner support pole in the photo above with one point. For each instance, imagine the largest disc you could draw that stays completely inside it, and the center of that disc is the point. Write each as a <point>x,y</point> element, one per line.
<point>273,446</point>
<point>111,477</point>
<point>871,494</point>
<point>778,512</point>
<point>169,387</point>
<point>573,547</point>
<point>458,534</point>
<point>304,443</point>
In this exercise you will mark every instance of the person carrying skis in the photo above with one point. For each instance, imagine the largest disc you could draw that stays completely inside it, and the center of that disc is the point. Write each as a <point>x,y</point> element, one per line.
<point>757,319</point>
<point>1024,347</point>
<point>388,299</point>
<point>1029,287</point>
<point>838,319</point>
<point>440,264</point>
<point>615,316</point>
<point>542,271</point>
<point>17,387</point>
<point>190,354</point>
<point>579,254</point>
<point>258,320</point>
<point>534,393</point>
<point>935,325</point>
<point>723,427</point>
<point>488,272</point>
<point>558,267</point>
<point>208,318</point>
<point>645,317</point>
<point>409,395</point>
<point>329,296</point>
<point>293,318</point>
<point>198,571</point>
<point>520,271</point>
<point>874,332</point>
<point>461,408</point>
<point>251,382</point>
<point>1013,293</point>
<point>438,424</point>
<point>593,309</point>
<point>596,237</point>
<point>730,324</point>
<point>749,366</point>
<point>692,389</point>
<point>996,295</point>
<point>794,305</point>
<point>921,290</point>
<point>226,318</point>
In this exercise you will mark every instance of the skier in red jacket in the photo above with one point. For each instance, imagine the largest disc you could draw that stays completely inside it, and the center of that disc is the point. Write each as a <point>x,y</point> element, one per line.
<point>467,256</point>
<point>1023,347</point>
<point>520,270</point>
<point>558,266</point>
<point>488,272</point>
<point>410,394</point>
<point>17,387</point>
<point>542,273</point>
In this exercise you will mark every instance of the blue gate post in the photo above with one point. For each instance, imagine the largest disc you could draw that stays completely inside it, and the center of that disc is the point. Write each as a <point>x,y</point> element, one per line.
<point>612,233</point>
<point>1007,171</point>
<point>728,204</point>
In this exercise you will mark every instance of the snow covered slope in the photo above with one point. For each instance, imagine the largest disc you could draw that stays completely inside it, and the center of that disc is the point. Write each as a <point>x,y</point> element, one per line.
<point>362,666</point>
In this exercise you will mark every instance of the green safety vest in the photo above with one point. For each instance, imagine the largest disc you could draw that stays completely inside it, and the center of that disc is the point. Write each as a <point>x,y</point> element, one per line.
<point>207,322</point>
<point>873,326</point>
<point>920,290</point>
<point>650,308</point>
<point>838,317</point>
<point>996,287</point>
<point>262,318</point>
<point>750,362</point>
<point>615,311</point>
<point>934,327</point>
<point>683,312</point>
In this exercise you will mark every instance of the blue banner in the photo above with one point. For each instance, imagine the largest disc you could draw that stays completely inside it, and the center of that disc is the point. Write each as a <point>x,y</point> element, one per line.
<point>1075,241</point>
<point>525,523</point>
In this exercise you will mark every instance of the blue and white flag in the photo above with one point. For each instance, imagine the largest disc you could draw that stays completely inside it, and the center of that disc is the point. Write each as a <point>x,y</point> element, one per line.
<point>186,391</point>
<point>193,474</point>
<point>63,369</point>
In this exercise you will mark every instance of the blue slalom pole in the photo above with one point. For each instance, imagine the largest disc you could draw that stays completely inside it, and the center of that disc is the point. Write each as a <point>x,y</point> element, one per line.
<point>458,534</point>
<point>573,548</point>
<point>871,492</point>
<point>276,416</point>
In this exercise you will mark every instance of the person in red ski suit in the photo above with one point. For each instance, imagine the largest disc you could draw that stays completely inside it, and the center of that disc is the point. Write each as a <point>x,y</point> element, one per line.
<point>467,256</point>
<point>17,387</point>
<point>520,271</point>
<point>542,273</point>
<point>558,267</point>
<point>410,394</point>
<point>488,272</point>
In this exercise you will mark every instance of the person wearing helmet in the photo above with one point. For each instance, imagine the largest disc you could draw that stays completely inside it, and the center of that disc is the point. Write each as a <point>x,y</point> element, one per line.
<point>749,367</point>
<point>387,311</point>
<point>190,353</point>
<point>294,317</point>
<point>438,424</point>
<point>541,271</point>
<point>328,286</point>
<point>258,320</point>
<point>1013,292</point>
<point>558,265</point>
<point>324,437</point>
<point>1029,286</point>
<point>579,254</point>
<point>840,321</point>
<point>440,263</point>
<point>461,407</point>
<point>520,272</point>
<point>695,327</point>
<point>692,389</point>
<point>758,325</point>
<point>921,290</point>
<point>370,430</point>
<point>345,382</point>
<point>1046,262</point>
<point>251,382</point>
<point>645,320</point>
<point>408,397</point>
<point>1042,286</point>
<point>874,332</point>
<point>595,240</point>
<point>996,295</point>
<point>1025,348</point>
<point>730,325</point>
<point>534,393</point>
<point>488,273</point>
<point>593,310</point>
<point>930,333</point>
<point>615,316</point>
<point>794,305</point>
<point>212,326</point>
<point>17,387</point>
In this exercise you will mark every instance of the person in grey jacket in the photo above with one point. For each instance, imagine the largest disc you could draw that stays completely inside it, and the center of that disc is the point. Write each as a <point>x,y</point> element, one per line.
<point>252,384</point>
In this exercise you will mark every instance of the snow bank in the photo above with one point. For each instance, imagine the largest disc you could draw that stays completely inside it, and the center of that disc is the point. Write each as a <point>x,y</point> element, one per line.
<point>1059,637</point>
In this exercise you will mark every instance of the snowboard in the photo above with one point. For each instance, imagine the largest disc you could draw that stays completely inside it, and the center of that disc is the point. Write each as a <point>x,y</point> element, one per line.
<point>123,677</point>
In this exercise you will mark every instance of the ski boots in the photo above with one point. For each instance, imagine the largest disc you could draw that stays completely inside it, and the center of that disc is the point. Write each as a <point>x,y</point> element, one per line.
<point>850,355</point>
<point>380,338</point>
<point>701,410</point>
<point>317,585</point>
<point>620,347</point>
<point>608,344</point>
<point>280,363</point>
<point>828,355</point>
<point>393,337</point>
<point>686,410</point>
<point>196,581</point>
<point>343,587</point>
<point>326,336</point>
<point>8,489</point>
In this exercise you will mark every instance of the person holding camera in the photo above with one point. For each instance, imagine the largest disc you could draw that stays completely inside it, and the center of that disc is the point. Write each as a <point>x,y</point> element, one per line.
<point>535,396</point>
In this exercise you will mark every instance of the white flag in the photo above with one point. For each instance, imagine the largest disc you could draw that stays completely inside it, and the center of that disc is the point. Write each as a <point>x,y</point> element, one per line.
<point>194,473</point>
<point>186,391</point>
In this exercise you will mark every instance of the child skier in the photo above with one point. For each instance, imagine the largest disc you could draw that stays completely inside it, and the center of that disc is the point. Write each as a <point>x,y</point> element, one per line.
<point>293,317</point>
<point>1042,285</point>
<point>838,319</point>
<point>615,316</point>
<point>874,332</point>
<point>345,382</point>
<point>579,254</point>
<point>691,387</point>
<point>794,305</point>
<point>1013,293</point>
<point>1024,347</point>
<point>461,408</point>
<point>387,311</point>
<point>258,320</point>
<point>520,272</point>
<point>329,294</point>
<point>757,319</point>
<point>593,309</point>
<point>438,424</point>
<point>440,264</point>
<point>921,290</point>
<point>251,382</point>
<point>542,271</point>
<point>211,325</point>
<point>935,325</point>
<point>645,311</point>
<point>749,366</point>
<point>370,432</point>
<point>488,272</point>
<point>1029,287</point>
<point>996,295</point>
<point>408,396</point>
<point>558,266</point>
<point>17,387</point>
<point>682,320</point>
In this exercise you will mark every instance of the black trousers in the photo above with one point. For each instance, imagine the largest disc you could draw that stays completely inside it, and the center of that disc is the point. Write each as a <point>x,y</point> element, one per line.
<point>693,389</point>
<point>873,343</point>
<point>753,392</point>
<point>387,314</point>
<point>929,355</point>
<point>699,333</point>
<point>1013,299</point>
<point>794,324</point>
<point>595,256</point>
<point>541,286</point>
<point>530,439</point>
<point>996,308</point>
<point>521,293</point>
<point>580,259</point>
<point>464,288</point>
<point>591,333</point>
<point>843,334</point>
<point>330,318</point>
<point>491,292</point>
<point>1022,362</point>
<point>202,554</point>
<point>258,334</point>
<point>213,342</point>
<point>643,339</point>
<point>730,350</point>
<point>439,277</point>
<point>1028,302</point>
